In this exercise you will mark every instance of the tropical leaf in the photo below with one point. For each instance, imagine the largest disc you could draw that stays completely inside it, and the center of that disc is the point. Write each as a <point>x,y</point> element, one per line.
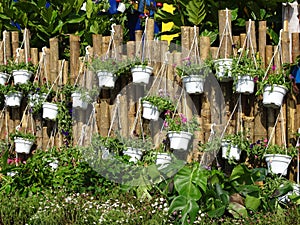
<point>196,11</point>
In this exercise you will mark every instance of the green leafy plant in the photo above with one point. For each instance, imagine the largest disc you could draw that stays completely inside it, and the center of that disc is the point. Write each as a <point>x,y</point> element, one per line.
<point>113,144</point>
<point>179,122</point>
<point>238,139</point>
<point>5,68</point>
<point>24,135</point>
<point>117,67</point>
<point>9,88</point>
<point>86,95</point>
<point>189,68</point>
<point>29,66</point>
<point>162,103</point>
<point>138,142</point>
<point>277,149</point>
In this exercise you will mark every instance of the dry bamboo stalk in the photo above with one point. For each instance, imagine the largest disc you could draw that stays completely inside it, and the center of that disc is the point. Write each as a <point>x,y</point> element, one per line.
<point>185,41</point>
<point>124,115</point>
<point>130,49</point>
<point>237,43</point>
<point>150,29</point>
<point>104,118</point>
<point>14,42</point>
<point>45,138</point>
<point>1,53</point>
<point>97,45</point>
<point>34,52</point>
<point>118,39</point>
<point>206,117</point>
<point>47,65</point>
<point>204,47</point>
<point>194,34</point>
<point>225,29</point>
<point>54,56</point>
<point>296,46</point>
<point>243,37</point>
<point>7,46</point>
<point>214,52</point>
<point>262,35</point>
<point>27,44</point>
<point>74,57</point>
<point>138,43</point>
<point>285,44</point>
<point>252,36</point>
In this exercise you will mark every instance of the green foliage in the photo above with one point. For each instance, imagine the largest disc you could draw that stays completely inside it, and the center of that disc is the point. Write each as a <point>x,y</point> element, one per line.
<point>117,67</point>
<point>162,103</point>
<point>24,135</point>
<point>188,68</point>
<point>178,122</point>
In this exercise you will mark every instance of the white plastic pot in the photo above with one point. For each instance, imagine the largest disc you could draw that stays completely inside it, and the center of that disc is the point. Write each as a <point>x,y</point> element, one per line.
<point>22,145</point>
<point>50,111</point>
<point>193,84</point>
<point>3,78</point>
<point>106,79</point>
<point>141,74</point>
<point>273,97</point>
<point>36,98</point>
<point>134,153</point>
<point>78,102</point>
<point>245,85</point>
<point>223,69</point>
<point>163,158</point>
<point>13,99</point>
<point>150,111</point>
<point>230,151</point>
<point>179,140</point>
<point>21,76</point>
<point>278,163</point>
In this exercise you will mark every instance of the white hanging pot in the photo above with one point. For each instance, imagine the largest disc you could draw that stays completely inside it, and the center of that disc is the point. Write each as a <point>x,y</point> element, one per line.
<point>223,69</point>
<point>3,78</point>
<point>23,145</point>
<point>121,7</point>
<point>134,153</point>
<point>163,158</point>
<point>230,151</point>
<point>13,99</point>
<point>295,191</point>
<point>50,111</point>
<point>78,102</point>
<point>106,79</point>
<point>179,140</point>
<point>21,76</point>
<point>245,85</point>
<point>278,163</point>
<point>193,84</point>
<point>150,111</point>
<point>273,97</point>
<point>141,74</point>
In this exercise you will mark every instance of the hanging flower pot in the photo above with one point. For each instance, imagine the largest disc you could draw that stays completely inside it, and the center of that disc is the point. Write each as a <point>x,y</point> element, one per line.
<point>21,76</point>
<point>79,101</point>
<point>13,99</point>
<point>278,163</point>
<point>273,96</point>
<point>35,99</point>
<point>3,78</point>
<point>106,79</point>
<point>150,111</point>
<point>193,84</point>
<point>223,69</point>
<point>245,85</point>
<point>50,111</point>
<point>230,151</point>
<point>23,145</point>
<point>141,74</point>
<point>163,158</point>
<point>179,140</point>
<point>134,153</point>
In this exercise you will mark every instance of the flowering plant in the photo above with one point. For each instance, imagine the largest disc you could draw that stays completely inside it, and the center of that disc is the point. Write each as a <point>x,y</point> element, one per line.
<point>179,122</point>
<point>5,68</point>
<point>188,68</point>
<point>24,135</point>
<point>12,65</point>
<point>162,101</point>
<point>117,67</point>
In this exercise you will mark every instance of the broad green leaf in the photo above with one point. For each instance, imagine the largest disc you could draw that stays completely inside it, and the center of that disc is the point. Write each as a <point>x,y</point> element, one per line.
<point>196,11</point>
<point>89,8</point>
<point>237,210</point>
<point>178,203</point>
<point>76,20</point>
<point>252,202</point>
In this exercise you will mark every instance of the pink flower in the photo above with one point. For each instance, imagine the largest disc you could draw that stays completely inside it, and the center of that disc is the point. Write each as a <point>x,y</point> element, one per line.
<point>165,124</point>
<point>10,161</point>
<point>265,140</point>
<point>274,67</point>
<point>183,118</point>
<point>167,112</point>
<point>255,79</point>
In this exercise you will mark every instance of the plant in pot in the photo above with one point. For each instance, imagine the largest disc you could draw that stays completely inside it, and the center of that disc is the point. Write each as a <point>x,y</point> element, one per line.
<point>274,86</point>
<point>38,94</point>
<point>180,130</point>
<point>140,71</point>
<point>232,145</point>
<point>23,141</point>
<point>193,75</point>
<point>107,71</point>
<point>245,72</point>
<point>279,157</point>
<point>135,147</point>
<point>222,68</point>
<point>154,105</point>
<point>82,96</point>
<point>22,71</point>
<point>14,93</point>
<point>255,153</point>
<point>159,156</point>
<point>5,72</point>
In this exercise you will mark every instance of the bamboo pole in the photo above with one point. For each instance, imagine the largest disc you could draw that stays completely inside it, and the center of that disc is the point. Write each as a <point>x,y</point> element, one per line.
<point>54,56</point>
<point>7,46</point>
<point>236,44</point>
<point>185,41</point>
<point>118,39</point>
<point>104,118</point>
<point>214,51</point>
<point>262,35</point>
<point>225,33</point>
<point>2,52</point>
<point>243,37</point>
<point>74,57</point>
<point>194,33</point>
<point>296,46</point>
<point>138,43</point>
<point>34,52</point>
<point>252,36</point>
<point>204,47</point>
<point>130,49</point>
<point>285,44</point>
<point>14,42</point>
<point>97,45</point>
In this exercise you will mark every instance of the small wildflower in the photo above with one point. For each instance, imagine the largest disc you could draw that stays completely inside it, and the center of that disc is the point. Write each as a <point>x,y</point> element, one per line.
<point>274,67</point>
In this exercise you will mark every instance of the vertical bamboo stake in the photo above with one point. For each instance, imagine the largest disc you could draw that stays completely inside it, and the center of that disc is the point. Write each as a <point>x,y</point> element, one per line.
<point>150,29</point>
<point>47,65</point>
<point>130,49</point>
<point>104,118</point>
<point>262,35</point>
<point>213,52</point>
<point>285,43</point>
<point>54,56</point>
<point>252,35</point>
<point>204,47</point>
<point>118,39</point>
<point>236,44</point>
<point>185,41</point>
<point>74,57</point>
<point>2,53</point>
<point>27,44</point>
<point>97,45</point>
<point>34,52</point>
<point>124,115</point>
<point>138,43</point>
<point>193,50</point>
<point>6,36</point>
<point>14,42</point>
<point>226,45</point>
<point>295,46</point>
<point>242,39</point>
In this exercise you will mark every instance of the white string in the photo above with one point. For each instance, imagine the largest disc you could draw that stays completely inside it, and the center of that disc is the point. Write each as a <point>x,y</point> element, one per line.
<point>111,41</point>
<point>39,65</point>
<point>4,46</point>
<point>25,46</point>
<point>283,133</point>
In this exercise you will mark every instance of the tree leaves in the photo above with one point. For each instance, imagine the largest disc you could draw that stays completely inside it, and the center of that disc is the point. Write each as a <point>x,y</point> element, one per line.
<point>196,11</point>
